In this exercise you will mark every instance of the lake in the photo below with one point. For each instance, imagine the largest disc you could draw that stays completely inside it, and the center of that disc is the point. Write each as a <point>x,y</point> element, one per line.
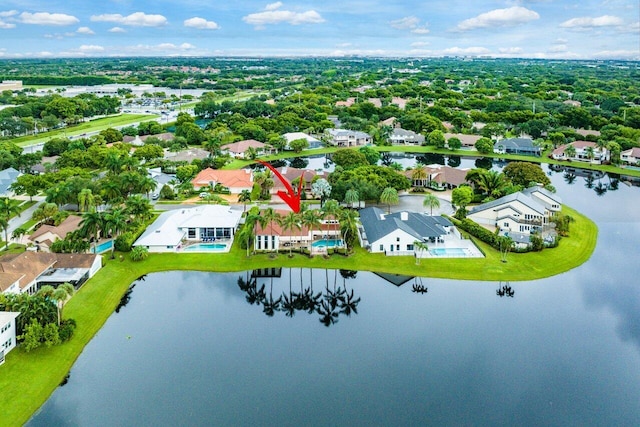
<point>191,348</point>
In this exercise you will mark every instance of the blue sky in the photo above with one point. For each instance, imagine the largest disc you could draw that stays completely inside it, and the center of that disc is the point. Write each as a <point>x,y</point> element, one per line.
<point>583,29</point>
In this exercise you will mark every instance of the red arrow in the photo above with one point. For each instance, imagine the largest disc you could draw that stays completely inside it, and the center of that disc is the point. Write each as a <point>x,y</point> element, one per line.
<point>289,197</point>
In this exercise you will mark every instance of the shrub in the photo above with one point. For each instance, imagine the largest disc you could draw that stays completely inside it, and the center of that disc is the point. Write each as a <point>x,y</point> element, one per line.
<point>139,253</point>
<point>66,329</point>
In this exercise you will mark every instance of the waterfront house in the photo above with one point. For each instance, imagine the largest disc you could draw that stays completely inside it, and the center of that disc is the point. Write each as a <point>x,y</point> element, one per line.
<point>523,146</point>
<point>631,156</point>
<point>347,138</point>
<point>401,136</point>
<point>437,177</point>
<point>396,233</point>
<point>239,149</point>
<point>585,151</point>
<point>292,136</point>
<point>467,141</point>
<point>177,228</point>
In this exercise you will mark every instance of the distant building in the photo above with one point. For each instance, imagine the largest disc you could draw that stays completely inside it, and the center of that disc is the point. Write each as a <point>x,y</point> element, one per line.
<point>292,136</point>
<point>234,180</point>
<point>7,178</point>
<point>7,333</point>
<point>582,152</point>
<point>523,146</point>
<point>348,138</point>
<point>11,85</point>
<point>631,156</point>
<point>44,236</point>
<point>239,149</point>
<point>401,136</point>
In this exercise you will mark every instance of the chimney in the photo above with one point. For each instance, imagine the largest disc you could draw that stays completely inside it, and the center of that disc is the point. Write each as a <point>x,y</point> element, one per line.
<point>404,216</point>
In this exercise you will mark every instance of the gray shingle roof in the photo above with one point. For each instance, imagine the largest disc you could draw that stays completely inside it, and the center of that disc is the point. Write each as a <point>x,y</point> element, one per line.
<point>377,224</point>
<point>519,196</point>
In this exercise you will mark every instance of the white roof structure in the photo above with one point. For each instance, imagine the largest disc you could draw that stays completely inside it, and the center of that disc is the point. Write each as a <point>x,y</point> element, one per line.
<point>8,316</point>
<point>171,226</point>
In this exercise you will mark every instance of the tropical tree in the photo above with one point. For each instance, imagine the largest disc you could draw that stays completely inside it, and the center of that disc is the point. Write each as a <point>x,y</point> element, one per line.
<point>461,197</point>
<point>18,233</point>
<point>138,207</point>
<point>491,182</point>
<point>291,222</point>
<point>91,225</point>
<point>4,224</point>
<point>8,208</point>
<point>61,295</point>
<point>321,189</point>
<point>570,151</point>
<point>420,247</point>
<point>351,196</point>
<point>389,196</point>
<point>115,223</point>
<point>330,211</point>
<point>86,200</point>
<point>268,217</point>
<point>139,253</point>
<point>244,197</point>
<point>505,243</point>
<point>430,201</point>
<point>419,176</point>
<point>590,152</point>
<point>348,227</point>
<point>311,220</point>
<point>247,232</point>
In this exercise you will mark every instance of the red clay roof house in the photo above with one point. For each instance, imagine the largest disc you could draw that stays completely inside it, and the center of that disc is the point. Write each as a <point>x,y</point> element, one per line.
<point>234,180</point>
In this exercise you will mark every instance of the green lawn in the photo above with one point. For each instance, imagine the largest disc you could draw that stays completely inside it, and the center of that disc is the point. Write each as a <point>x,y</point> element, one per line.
<point>27,379</point>
<point>85,127</point>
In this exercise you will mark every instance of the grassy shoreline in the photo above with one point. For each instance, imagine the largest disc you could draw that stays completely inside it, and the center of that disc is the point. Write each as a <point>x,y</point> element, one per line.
<point>28,379</point>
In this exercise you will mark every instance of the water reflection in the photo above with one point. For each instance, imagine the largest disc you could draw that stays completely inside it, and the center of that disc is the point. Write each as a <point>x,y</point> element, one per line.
<point>505,290</point>
<point>127,295</point>
<point>334,300</point>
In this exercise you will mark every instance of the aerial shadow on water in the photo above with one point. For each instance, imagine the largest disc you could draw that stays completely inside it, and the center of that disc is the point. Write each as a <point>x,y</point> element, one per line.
<point>329,303</point>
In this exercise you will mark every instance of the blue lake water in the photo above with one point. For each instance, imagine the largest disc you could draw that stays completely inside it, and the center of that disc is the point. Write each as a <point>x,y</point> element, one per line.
<point>192,348</point>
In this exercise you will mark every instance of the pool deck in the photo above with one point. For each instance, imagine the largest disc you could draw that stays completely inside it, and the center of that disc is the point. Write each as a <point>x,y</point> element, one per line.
<point>469,248</point>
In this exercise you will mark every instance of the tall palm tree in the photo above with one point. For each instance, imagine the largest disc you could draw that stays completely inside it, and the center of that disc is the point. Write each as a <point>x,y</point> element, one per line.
<point>330,210</point>
<point>491,182</point>
<point>420,246</point>
<point>116,222</point>
<point>311,220</point>
<point>138,207</point>
<point>430,201</point>
<point>570,151</point>
<point>269,217</point>
<point>248,231</point>
<point>590,152</point>
<point>290,222</point>
<point>244,197</point>
<point>61,295</point>
<point>8,208</point>
<point>348,227</point>
<point>91,225</point>
<point>389,196</point>
<point>4,224</point>
<point>86,200</point>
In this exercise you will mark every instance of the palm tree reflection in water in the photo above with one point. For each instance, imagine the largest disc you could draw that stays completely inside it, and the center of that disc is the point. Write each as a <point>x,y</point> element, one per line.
<point>329,305</point>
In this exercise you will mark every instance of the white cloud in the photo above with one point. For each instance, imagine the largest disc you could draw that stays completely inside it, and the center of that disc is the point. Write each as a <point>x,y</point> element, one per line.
<point>617,54</point>
<point>474,50</point>
<point>6,25</point>
<point>46,18</point>
<point>273,15</point>
<point>499,18</point>
<point>557,48</point>
<point>137,19</point>
<point>273,6</point>
<point>406,23</point>
<point>586,22</point>
<point>510,50</point>
<point>90,48</point>
<point>420,44</point>
<point>420,30</point>
<point>8,13</point>
<point>560,41</point>
<point>201,24</point>
<point>117,30</point>
<point>85,30</point>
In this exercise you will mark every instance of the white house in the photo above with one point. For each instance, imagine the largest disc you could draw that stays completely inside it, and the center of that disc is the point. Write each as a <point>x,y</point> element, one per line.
<point>7,333</point>
<point>292,136</point>
<point>176,229</point>
<point>518,214</point>
<point>348,138</point>
<point>631,156</point>
<point>400,136</point>
<point>583,149</point>
<point>396,233</point>
<point>7,178</point>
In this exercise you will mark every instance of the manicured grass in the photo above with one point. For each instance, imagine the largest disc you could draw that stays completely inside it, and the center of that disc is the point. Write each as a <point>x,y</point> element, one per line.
<point>85,127</point>
<point>27,379</point>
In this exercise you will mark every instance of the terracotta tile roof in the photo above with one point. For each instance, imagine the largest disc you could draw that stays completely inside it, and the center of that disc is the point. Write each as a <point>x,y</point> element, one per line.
<point>71,223</point>
<point>241,178</point>
<point>30,264</point>
<point>242,146</point>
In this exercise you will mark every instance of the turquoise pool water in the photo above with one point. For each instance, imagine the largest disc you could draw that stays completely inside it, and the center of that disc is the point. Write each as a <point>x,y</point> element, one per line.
<point>328,243</point>
<point>206,247</point>
<point>102,247</point>
<point>448,252</point>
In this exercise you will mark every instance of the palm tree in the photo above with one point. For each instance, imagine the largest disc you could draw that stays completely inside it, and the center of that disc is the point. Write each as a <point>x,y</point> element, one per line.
<point>290,222</point>
<point>247,231</point>
<point>590,152</point>
<point>418,176</point>
<point>91,225</point>
<point>86,200</point>
<point>348,227</point>
<point>268,217</point>
<point>389,196</point>
<point>420,247</point>
<point>138,207</point>
<point>351,197</point>
<point>431,201</point>
<point>331,209</point>
<point>116,222</point>
<point>506,244</point>
<point>61,295</point>
<point>18,233</point>
<point>8,208</point>
<point>570,151</point>
<point>311,220</point>
<point>4,224</point>
<point>244,197</point>
<point>491,182</point>
<point>113,162</point>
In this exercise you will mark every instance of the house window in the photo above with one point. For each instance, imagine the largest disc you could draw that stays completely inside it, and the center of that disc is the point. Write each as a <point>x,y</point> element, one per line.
<point>191,233</point>
<point>397,247</point>
<point>397,239</point>
<point>259,240</point>
<point>505,224</point>
<point>381,248</point>
<point>409,247</point>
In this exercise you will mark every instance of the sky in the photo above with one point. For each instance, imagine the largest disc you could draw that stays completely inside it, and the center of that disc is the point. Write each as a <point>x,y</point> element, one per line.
<point>554,29</point>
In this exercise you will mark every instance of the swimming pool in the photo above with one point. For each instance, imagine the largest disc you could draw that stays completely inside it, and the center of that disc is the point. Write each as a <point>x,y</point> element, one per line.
<point>327,243</point>
<point>448,252</point>
<point>206,247</point>
<point>102,247</point>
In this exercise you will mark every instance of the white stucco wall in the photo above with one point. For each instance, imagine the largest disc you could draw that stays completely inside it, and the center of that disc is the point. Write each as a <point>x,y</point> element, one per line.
<point>395,238</point>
